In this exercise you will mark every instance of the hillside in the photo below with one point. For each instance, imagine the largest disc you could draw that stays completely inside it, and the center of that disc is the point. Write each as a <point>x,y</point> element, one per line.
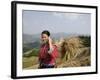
<point>33,41</point>
<point>79,56</point>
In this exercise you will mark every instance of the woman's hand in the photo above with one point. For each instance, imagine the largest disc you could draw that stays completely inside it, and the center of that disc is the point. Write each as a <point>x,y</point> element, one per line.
<point>50,45</point>
<point>50,40</point>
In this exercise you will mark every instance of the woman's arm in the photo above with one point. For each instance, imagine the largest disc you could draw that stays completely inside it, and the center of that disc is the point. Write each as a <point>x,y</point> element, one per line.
<point>51,48</point>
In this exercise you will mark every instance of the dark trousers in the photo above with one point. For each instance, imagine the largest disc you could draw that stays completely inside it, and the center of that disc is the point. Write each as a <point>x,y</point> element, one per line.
<point>46,66</point>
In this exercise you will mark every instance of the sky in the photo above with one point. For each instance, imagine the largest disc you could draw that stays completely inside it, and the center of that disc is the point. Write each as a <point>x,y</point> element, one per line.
<point>35,22</point>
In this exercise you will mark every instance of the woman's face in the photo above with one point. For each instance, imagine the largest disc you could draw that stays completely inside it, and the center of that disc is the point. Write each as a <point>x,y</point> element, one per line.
<point>44,38</point>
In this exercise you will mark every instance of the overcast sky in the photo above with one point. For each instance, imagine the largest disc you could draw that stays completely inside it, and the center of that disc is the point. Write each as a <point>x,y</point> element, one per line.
<point>36,21</point>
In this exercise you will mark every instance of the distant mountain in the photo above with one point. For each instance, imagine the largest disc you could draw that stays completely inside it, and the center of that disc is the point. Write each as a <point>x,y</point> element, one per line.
<point>27,38</point>
<point>33,41</point>
<point>60,35</point>
<point>32,44</point>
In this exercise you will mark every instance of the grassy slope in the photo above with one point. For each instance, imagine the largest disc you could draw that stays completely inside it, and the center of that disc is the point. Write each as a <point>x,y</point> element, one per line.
<point>30,60</point>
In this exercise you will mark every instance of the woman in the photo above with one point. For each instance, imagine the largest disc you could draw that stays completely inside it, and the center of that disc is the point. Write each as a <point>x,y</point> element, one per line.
<point>48,52</point>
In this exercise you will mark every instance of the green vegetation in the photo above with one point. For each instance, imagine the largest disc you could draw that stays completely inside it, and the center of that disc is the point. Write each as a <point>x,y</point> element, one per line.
<point>30,58</point>
<point>86,40</point>
<point>34,52</point>
<point>31,45</point>
<point>25,49</point>
<point>31,51</point>
<point>29,61</point>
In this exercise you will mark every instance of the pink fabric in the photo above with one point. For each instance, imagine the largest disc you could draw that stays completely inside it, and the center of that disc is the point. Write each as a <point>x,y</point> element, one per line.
<point>45,57</point>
